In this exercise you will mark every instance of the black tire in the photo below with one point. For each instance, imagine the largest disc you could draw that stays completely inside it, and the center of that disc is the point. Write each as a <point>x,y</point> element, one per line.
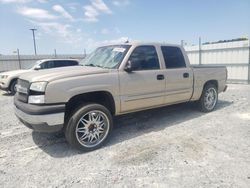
<point>202,101</point>
<point>13,87</point>
<point>74,121</point>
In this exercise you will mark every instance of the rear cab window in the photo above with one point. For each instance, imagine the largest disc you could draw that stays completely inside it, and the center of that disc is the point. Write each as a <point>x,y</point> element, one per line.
<point>173,57</point>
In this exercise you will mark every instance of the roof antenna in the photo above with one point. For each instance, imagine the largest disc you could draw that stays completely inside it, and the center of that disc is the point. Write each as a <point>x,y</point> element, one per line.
<point>127,41</point>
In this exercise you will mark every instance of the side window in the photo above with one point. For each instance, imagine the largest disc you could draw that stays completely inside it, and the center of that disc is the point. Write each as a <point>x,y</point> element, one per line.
<point>60,64</point>
<point>144,58</point>
<point>47,65</point>
<point>173,57</point>
<point>64,63</point>
<point>72,63</point>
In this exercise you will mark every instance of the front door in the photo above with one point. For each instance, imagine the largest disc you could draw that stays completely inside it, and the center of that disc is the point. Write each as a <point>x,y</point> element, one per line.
<point>144,87</point>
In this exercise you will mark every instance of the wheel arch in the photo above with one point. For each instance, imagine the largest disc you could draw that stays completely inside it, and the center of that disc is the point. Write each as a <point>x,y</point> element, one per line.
<point>104,98</point>
<point>214,82</point>
<point>11,82</point>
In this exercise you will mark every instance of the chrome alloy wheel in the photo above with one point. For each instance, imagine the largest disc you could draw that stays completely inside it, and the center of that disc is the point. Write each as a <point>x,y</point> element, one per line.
<point>92,128</point>
<point>210,98</point>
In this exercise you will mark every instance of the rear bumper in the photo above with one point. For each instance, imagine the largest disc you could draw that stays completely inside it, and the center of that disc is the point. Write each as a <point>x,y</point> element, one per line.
<point>49,118</point>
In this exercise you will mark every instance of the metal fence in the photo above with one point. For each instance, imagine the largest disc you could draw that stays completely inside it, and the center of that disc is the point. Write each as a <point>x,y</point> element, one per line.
<point>14,62</point>
<point>234,55</point>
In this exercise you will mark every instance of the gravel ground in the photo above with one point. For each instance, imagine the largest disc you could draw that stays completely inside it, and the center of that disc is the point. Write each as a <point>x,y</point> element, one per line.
<point>173,146</point>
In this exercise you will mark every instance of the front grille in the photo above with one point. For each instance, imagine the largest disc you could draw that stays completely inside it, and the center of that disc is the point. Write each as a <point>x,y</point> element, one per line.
<point>23,90</point>
<point>23,83</point>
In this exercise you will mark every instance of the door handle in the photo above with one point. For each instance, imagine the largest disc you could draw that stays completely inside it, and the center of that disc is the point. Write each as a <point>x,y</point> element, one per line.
<point>185,75</point>
<point>160,77</point>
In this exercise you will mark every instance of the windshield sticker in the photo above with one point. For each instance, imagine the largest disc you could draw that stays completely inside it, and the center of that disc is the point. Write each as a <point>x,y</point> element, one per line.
<point>119,50</point>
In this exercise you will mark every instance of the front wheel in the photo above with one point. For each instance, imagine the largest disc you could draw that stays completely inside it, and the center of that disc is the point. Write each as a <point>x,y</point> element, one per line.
<point>89,127</point>
<point>13,87</point>
<point>208,98</point>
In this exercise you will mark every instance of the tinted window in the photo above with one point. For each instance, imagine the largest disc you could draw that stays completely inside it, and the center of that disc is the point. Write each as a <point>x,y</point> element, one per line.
<point>47,65</point>
<point>73,63</point>
<point>64,63</point>
<point>61,63</point>
<point>173,57</point>
<point>144,58</point>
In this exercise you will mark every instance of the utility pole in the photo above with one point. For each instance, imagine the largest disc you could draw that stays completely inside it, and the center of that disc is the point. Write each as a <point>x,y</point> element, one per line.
<point>55,53</point>
<point>18,56</point>
<point>85,53</point>
<point>34,39</point>
<point>200,52</point>
<point>248,62</point>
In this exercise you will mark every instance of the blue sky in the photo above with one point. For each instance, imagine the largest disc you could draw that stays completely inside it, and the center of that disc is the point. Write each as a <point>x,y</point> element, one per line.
<point>72,26</point>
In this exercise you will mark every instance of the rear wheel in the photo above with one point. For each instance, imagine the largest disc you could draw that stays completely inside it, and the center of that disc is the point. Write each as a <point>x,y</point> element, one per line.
<point>209,98</point>
<point>13,87</point>
<point>89,127</point>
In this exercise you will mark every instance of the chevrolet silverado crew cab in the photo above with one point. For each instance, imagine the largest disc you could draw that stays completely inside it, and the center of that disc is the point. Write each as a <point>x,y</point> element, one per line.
<point>8,79</point>
<point>114,80</point>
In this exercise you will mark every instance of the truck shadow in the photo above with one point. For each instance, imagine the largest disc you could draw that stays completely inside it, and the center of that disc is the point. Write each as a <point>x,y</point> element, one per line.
<point>7,94</point>
<point>127,127</point>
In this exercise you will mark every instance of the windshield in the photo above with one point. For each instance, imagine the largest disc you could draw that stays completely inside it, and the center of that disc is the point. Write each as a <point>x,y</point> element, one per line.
<point>106,56</point>
<point>32,65</point>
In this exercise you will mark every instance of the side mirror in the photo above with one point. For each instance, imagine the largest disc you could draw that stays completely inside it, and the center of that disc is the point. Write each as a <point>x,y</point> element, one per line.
<point>128,68</point>
<point>37,67</point>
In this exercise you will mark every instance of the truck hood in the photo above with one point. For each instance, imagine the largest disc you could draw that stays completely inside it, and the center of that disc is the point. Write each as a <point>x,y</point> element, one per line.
<point>60,73</point>
<point>15,72</point>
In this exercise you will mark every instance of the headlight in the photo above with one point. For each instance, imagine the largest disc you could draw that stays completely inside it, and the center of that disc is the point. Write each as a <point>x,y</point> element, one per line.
<point>38,86</point>
<point>4,76</point>
<point>36,99</point>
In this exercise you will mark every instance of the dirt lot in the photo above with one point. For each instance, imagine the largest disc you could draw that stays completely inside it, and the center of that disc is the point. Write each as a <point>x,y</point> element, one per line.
<point>174,146</point>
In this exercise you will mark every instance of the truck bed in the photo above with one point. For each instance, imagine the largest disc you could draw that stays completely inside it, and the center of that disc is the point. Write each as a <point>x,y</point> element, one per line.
<point>203,73</point>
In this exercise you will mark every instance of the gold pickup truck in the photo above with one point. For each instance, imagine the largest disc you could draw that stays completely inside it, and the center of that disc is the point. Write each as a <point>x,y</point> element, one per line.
<point>113,80</point>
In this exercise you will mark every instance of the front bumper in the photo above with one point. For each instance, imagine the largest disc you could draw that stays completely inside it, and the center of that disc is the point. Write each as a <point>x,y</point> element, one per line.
<point>49,118</point>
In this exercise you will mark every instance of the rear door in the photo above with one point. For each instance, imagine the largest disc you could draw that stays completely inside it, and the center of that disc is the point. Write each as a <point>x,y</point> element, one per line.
<point>179,77</point>
<point>144,87</point>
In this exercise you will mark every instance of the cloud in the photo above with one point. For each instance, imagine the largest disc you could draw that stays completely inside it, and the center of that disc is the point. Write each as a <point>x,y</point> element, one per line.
<point>36,13</point>
<point>63,12</point>
<point>64,33</point>
<point>93,10</point>
<point>113,41</point>
<point>112,31</point>
<point>90,13</point>
<point>73,6</point>
<point>121,2</point>
<point>91,43</point>
<point>14,1</point>
<point>101,6</point>
<point>42,1</point>
<point>21,1</point>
